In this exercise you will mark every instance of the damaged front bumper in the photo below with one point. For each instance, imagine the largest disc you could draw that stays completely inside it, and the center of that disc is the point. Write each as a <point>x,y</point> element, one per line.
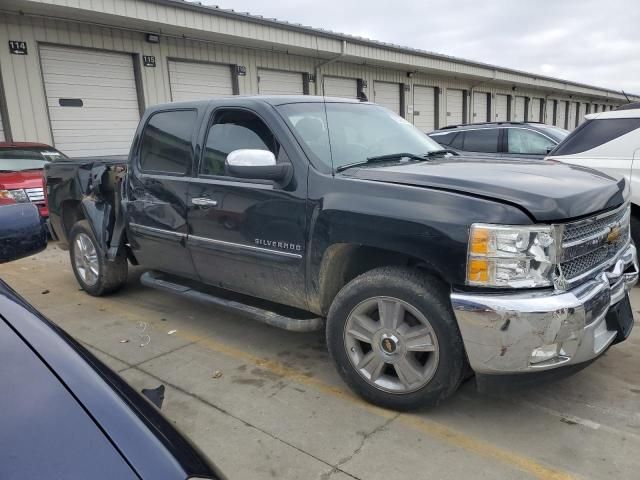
<point>529,332</point>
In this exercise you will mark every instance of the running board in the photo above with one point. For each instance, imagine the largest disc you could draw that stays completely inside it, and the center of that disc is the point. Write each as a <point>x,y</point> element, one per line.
<point>155,280</point>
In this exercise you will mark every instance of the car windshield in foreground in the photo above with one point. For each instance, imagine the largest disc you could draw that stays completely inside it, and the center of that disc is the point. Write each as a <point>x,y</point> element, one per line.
<point>556,133</point>
<point>341,134</point>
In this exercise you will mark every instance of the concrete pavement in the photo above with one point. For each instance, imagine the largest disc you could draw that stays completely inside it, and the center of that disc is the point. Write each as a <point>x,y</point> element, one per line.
<point>264,403</point>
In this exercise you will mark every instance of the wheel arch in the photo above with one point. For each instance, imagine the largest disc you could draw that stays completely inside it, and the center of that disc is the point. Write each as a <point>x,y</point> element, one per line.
<point>342,262</point>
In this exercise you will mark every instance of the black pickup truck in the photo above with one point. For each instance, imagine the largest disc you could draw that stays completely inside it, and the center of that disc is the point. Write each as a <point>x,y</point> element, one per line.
<point>306,212</point>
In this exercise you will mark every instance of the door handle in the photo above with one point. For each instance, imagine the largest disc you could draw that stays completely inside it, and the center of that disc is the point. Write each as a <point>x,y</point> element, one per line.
<point>204,202</point>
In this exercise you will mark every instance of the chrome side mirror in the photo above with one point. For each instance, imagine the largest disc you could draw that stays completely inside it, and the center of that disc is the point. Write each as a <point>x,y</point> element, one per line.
<point>256,164</point>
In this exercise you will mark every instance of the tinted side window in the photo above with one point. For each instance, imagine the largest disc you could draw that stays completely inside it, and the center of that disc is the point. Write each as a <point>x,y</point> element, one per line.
<point>485,140</point>
<point>593,133</point>
<point>445,139</point>
<point>527,142</point>
<point>166,142</point>
<point>234,130</point>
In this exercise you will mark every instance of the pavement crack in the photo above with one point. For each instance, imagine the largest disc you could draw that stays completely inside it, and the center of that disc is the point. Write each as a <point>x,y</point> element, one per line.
<point>365,438</point>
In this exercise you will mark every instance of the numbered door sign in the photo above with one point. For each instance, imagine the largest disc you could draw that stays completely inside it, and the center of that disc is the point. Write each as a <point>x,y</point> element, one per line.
<point>149,61</point>
<point>17,47</point>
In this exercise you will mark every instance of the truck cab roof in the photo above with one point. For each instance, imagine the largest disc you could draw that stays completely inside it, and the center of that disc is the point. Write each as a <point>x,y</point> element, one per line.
<point>273,100</point>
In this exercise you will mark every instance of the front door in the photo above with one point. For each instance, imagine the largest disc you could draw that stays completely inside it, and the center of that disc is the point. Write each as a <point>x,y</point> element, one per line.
<point>156,202</point>
<point>246,236</point>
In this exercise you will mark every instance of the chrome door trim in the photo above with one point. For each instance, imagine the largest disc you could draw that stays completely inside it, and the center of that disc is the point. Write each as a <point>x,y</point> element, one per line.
<point>241,246</point>
<point>157,232</point>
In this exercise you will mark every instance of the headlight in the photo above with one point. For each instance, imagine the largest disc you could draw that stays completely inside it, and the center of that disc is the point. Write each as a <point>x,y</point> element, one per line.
<point>18,195</point>
<point>511,256</point>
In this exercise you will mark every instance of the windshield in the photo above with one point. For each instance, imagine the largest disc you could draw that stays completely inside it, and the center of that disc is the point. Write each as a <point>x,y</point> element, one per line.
<point>18,159</point>
<point>556,133</point>
<point>356,132</point>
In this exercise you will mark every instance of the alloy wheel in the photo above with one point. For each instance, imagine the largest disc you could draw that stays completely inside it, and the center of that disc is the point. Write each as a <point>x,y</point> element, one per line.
<point>391,344</point>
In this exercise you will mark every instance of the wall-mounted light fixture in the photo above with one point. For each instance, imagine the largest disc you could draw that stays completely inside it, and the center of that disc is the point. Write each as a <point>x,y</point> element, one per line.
<point>153,38</point>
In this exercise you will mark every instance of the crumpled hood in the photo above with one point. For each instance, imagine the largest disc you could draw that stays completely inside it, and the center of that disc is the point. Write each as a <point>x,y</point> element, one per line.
<point>547,190</point>
<point>24,179</point>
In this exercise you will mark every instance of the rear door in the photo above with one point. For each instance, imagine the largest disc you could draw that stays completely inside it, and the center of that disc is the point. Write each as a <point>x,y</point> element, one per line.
<point>525,143</point>
<point>247,236</point>
<point>481,142</point>
<point>157,191</point>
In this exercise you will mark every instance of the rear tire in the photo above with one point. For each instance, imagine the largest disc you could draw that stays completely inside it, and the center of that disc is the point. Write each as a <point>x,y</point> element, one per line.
<point>96,275</point>
<point>414,360</point>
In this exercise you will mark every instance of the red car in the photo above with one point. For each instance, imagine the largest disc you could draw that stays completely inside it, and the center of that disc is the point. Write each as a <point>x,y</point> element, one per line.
<point>21,173</point>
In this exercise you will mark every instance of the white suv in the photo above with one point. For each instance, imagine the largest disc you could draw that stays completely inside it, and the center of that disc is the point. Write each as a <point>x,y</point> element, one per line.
<point>609,142</point>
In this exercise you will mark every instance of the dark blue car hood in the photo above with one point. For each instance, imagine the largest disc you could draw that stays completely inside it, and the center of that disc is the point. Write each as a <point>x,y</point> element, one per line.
<point>547,191</point>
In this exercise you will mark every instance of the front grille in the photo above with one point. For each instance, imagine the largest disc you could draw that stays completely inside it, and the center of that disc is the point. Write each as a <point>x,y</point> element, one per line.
<point>588,246</point>
<point>35,195</point>
<point>591,226</point>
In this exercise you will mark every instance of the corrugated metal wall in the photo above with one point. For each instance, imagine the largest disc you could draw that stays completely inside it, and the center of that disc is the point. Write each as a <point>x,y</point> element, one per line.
<point>25,95</point>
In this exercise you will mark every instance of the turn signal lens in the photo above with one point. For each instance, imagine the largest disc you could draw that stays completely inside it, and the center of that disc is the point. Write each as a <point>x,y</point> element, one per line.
<point>478,271</point>
<point>479,241</point>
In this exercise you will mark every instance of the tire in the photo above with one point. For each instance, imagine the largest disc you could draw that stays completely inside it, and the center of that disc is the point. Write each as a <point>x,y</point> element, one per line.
<point>96,275</point>
<point>439,357</point>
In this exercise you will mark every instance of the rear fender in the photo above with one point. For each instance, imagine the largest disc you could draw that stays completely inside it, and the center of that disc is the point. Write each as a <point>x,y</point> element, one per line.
<point>100,205</point>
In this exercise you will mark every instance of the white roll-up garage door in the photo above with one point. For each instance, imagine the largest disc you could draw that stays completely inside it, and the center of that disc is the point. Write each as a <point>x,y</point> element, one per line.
<point>534,110</point>
<point>561,114</point>
<point>2,137</point>
<point>548,112</point>
<point>340,87</point>
<point>195,81</point>
<point>518,111</point>
<point>388,95</point>
<point>424,108</point>
<point>279,82</point>
<point>92,100</point>
<point>480,107</point>
<point>454,107</point>
<point>573,107</point>
<point>501,108</point>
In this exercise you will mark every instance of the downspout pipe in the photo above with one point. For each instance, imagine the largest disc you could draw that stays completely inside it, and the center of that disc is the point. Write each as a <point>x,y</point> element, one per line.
<point>316,69</point>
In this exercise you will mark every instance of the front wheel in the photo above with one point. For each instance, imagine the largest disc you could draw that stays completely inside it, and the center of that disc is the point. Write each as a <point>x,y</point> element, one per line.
<point>96,275</point>
<point>393,337</point>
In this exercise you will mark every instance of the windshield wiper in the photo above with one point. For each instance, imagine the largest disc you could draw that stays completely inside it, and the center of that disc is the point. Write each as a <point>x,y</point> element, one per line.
<point>382,158</point>
<point>442,151</point>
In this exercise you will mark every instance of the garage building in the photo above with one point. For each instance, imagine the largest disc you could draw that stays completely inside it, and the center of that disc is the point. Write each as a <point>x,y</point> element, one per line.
<point>78,74</point>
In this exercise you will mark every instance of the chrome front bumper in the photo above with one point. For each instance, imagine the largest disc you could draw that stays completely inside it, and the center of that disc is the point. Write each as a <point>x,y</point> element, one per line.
<point>528,332</point>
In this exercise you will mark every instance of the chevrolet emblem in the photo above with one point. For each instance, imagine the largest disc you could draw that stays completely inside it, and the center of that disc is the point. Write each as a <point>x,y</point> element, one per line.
<point>613,234</point>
